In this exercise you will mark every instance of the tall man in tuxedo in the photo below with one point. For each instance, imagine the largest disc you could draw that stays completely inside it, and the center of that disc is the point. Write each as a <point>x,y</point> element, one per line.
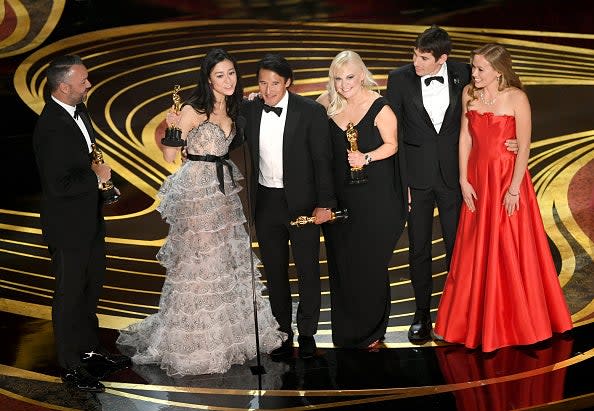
<point>72,221</point>
<point>426,96</point>
<point>289,143</point>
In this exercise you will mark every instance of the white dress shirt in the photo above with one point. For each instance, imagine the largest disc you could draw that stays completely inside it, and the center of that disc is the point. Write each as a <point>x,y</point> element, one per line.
<point>436,97</point>
<point>79,122</point>
<point>272,128</point>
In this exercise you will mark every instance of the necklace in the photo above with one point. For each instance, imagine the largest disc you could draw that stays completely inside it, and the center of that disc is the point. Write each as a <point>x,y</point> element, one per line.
<point>485,101</point>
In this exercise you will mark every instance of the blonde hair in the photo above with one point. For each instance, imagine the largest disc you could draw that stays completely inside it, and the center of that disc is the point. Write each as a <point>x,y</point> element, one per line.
<point>337,103</point>
<point>501,61</point>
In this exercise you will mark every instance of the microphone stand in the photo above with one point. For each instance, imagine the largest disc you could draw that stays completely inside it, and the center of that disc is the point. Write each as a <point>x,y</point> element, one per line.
<point>257,369</point>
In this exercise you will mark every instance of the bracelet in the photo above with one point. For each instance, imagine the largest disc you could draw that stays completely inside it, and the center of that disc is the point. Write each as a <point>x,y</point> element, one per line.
<point>513,195</point>
<point>368,159</point>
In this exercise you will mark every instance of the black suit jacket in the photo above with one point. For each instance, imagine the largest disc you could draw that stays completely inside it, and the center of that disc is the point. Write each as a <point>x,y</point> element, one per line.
<point>307,154</point>
<point>424,153</point>
<point>71,211</point>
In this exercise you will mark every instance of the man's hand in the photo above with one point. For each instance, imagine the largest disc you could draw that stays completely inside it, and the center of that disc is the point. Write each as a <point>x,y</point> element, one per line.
<point>322,215</point>
<point>102,170</point>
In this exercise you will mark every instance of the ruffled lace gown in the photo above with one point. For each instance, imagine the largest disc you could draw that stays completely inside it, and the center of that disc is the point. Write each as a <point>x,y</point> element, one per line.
<point>205,321</point>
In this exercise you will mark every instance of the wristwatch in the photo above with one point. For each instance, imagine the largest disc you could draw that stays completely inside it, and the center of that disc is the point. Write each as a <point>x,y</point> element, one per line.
<point>368,158</point>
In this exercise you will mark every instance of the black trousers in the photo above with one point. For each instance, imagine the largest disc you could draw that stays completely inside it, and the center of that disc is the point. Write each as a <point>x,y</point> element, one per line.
<point>420,227</point>
<point>79,276</point>
<point>274,232</point>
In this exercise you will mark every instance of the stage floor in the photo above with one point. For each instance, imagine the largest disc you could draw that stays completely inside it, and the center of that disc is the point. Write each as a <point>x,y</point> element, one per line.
<point>133,69</point>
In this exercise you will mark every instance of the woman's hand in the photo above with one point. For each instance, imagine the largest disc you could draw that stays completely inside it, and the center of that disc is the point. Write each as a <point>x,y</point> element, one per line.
<point>356,158</point>
<point>468,195</point>
<point>511,201</point>
<point>172,118</point>
<point>253,96</point>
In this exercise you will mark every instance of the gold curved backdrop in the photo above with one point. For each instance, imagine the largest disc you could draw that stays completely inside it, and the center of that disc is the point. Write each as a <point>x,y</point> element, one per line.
<point>133,70</point>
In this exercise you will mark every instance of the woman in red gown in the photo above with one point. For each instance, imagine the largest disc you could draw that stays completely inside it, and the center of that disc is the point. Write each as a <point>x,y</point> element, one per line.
<point>502,288</point>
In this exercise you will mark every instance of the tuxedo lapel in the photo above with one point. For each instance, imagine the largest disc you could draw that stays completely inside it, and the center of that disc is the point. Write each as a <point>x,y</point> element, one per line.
<point>453,83</point>
<point>291,123</point>
<point>255,120</point>
<point>64,116</point>
<point>86,119</point>
<point>417,97</point>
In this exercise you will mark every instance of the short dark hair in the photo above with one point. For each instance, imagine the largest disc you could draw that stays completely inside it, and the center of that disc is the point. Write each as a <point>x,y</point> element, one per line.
<point>276,63</point>
<point>58,70</point>
<point>434,40</point>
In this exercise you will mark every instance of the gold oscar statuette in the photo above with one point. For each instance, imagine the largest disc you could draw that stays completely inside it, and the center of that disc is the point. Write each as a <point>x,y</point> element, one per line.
<point>109,193</point>
<point>173,133</point>
<point>336,216</point>
<point>357,175</point>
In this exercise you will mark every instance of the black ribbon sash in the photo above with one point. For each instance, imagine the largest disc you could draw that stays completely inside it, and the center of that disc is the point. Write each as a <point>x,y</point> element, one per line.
<point>221,161</point>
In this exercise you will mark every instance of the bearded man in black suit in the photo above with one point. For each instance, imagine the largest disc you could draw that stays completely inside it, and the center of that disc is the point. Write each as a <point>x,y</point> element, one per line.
<point>426,97</point>
<point>72,221</point>
<point>289,143</point>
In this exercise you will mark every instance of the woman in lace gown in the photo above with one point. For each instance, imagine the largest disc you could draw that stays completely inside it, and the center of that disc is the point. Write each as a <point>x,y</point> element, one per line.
<point>359,249</point>
<point>205,321</point>
<point>502,288</point>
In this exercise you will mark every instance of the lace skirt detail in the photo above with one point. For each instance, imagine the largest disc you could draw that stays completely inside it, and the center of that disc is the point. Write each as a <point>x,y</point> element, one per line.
<point>205,321</point>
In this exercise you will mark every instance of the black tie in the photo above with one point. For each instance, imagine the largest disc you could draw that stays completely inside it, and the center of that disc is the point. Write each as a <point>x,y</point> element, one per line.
<point>80,108</point>
<point>277,110</point>
<point>428,80</point>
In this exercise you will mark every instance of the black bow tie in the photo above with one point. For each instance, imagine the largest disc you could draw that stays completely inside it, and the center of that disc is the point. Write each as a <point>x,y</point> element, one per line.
<point>428,80</point>
<point>80,108</point>
<point>277,110</point>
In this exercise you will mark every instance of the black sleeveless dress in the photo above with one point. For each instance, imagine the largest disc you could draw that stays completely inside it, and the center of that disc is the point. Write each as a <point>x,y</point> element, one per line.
<point>359,249</point>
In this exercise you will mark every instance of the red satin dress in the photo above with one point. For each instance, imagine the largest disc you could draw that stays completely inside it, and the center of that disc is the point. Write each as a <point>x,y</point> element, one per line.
<point>502,288</point>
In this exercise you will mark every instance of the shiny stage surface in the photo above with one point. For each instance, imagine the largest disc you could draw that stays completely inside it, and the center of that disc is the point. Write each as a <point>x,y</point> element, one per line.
<point>133,69</point>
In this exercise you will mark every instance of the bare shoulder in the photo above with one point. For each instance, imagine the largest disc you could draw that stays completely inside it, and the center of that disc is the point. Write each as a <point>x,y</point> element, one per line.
<point>324,99</point>
<point>465,96</point>
<point>190,116</point>
<point>517,98</point>
<point>516,94</point>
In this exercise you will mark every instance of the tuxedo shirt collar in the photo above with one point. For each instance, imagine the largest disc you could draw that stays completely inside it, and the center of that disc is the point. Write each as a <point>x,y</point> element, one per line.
<point>70,109</point>
<point>443,72</point>
<point>79,122</point>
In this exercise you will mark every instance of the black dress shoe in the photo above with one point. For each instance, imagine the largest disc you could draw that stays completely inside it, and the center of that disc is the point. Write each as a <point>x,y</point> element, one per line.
<point>307,346</point>
<point>82,380</point>
<point>284,351</point>
<point>105,358</point>
<point>420,331</point>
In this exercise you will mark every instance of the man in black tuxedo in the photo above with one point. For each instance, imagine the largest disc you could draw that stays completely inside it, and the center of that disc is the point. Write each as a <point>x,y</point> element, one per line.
<point>72,221</point>
<point>426,96</point>
<point>291,175</point>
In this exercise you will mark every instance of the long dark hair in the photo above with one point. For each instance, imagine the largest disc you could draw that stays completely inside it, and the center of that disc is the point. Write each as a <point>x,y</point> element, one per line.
<point>202,98</point>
